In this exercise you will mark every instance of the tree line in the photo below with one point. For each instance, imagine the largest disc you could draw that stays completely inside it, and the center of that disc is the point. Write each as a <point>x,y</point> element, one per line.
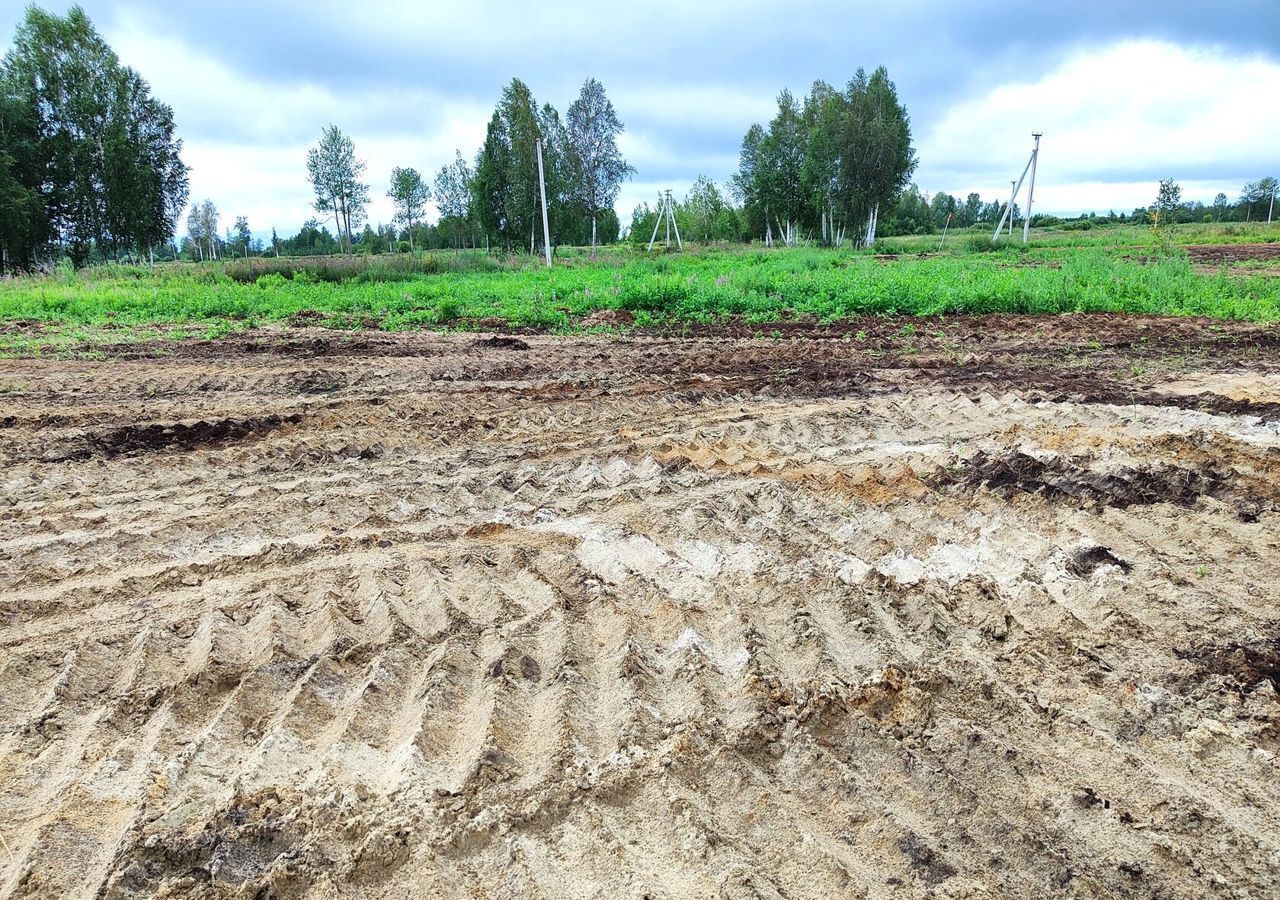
<point>89,163</point>
<point>496,198</point>
<point>90,167</point>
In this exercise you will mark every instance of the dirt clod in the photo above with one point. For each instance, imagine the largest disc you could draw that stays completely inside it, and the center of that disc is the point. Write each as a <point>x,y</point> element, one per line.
<point>1087,560</point>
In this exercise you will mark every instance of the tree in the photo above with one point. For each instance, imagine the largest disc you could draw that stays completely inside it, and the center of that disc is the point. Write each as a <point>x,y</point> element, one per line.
<point>410,195</point>
<point>1168,198</point>
<point>596,165</point>
<point>505,185</point>
<point>1219,206</point>
<point>876,148</point>
<point>453,197</point>
<point>824,109</point>
<point>202,229</point>
<point>111,176</point>
<point>1267,193</point>
<point>24,223</point>
<point>971,213</point>
<point>1250,194</point>
<point>748,186</point>
<point>942,207</point>
<point>243,235</point>
<point>838,160</point>
<point>782,158</point>
<point>702,209</point>
<point>335,175</point>
<point>209,227</point>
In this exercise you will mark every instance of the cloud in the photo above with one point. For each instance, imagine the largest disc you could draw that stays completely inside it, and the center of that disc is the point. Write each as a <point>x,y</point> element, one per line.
<point>1125,96</point>
<point>1126,115</point>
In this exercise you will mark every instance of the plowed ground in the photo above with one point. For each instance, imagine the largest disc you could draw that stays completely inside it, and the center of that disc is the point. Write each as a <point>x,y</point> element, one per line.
<point>986,614</point>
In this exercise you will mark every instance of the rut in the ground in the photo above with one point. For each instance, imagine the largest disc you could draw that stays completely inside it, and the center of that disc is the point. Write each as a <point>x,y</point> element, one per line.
<point>626,633</point>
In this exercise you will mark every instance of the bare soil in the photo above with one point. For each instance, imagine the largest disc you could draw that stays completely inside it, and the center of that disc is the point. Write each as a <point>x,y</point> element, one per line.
<point>933,608</point>
<point>1218,254</point>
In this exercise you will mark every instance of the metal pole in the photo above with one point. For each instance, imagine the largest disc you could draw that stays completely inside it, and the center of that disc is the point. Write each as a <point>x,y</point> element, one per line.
<point>1013,198</point>
<point>671,210</point>
<point>657,221</point>
<point>542,188</point>
<point>1008,212</point>
<point>1031,188</point>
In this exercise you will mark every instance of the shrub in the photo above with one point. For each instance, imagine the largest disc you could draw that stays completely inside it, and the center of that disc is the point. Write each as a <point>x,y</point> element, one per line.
<point>982,243</point>
<point>448,309</point>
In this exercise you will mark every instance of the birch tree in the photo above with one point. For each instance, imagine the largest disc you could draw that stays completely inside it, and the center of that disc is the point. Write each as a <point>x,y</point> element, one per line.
<point>597,166</point>
<point>453,196</point>
<point>110,175</point>
<point>410,195</point>
<point>335,175</point>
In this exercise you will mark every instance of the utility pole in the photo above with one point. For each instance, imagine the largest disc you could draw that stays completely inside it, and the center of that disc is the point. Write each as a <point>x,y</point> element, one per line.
<point>1017,185</point>
<point>1031,188</point>
<point>667,216</point>
<point>1013,194</point>
<point>542,189</point>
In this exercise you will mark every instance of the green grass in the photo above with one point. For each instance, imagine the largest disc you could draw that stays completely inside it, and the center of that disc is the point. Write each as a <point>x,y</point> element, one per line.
<point>1137,271</point>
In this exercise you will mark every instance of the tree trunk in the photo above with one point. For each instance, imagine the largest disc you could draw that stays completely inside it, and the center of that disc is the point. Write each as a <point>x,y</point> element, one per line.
<point>593,235</point>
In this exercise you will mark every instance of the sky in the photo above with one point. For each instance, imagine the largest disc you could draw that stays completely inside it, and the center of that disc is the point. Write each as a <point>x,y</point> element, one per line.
<point>1125,92</point>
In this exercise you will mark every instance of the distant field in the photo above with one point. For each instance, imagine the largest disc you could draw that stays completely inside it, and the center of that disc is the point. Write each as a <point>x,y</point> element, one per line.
<point>1120,269</point>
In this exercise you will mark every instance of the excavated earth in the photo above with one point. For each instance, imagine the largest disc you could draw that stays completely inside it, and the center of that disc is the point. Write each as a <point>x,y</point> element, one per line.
<point>971,608</point>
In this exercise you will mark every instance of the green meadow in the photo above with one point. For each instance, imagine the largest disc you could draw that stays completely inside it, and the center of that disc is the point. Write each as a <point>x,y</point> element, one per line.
<point>1125,269</point>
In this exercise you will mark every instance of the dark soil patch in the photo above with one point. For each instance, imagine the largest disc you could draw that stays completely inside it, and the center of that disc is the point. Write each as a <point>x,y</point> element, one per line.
<point>1217,254</point>
<point>1087,560</point>
<point>500,342</point>
<point>1067,480</point>
<point>137,439</point>
<point>1249,663</point>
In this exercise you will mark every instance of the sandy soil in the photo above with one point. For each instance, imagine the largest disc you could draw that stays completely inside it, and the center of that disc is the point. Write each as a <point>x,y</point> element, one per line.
<point>982,608</point>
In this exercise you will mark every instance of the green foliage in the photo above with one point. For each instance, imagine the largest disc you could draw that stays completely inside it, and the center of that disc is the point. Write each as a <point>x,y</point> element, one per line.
<point>87,152</point>
<point>1063,272</point>
<point>827,164</point>
<point>1168,199</point>
<point>336,176</point>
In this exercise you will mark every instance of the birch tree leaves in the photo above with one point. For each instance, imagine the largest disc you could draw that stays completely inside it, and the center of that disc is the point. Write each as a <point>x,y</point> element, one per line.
<point>598,166</point>
<point>829,165</point>
<point>89,157</point>
<point>335,175</point>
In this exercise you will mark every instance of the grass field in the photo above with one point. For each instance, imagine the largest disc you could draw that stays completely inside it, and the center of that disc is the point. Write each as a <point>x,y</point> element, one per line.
<point>1121,269</point>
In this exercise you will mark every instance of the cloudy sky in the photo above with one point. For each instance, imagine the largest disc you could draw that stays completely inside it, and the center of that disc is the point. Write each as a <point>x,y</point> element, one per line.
<point>1125,92</point>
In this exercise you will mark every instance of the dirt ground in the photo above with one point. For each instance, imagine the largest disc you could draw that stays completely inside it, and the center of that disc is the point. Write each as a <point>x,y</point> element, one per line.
<point>971,608</point>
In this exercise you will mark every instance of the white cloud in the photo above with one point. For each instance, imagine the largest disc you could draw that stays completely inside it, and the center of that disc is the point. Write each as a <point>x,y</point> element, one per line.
<point>1114,120</point>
